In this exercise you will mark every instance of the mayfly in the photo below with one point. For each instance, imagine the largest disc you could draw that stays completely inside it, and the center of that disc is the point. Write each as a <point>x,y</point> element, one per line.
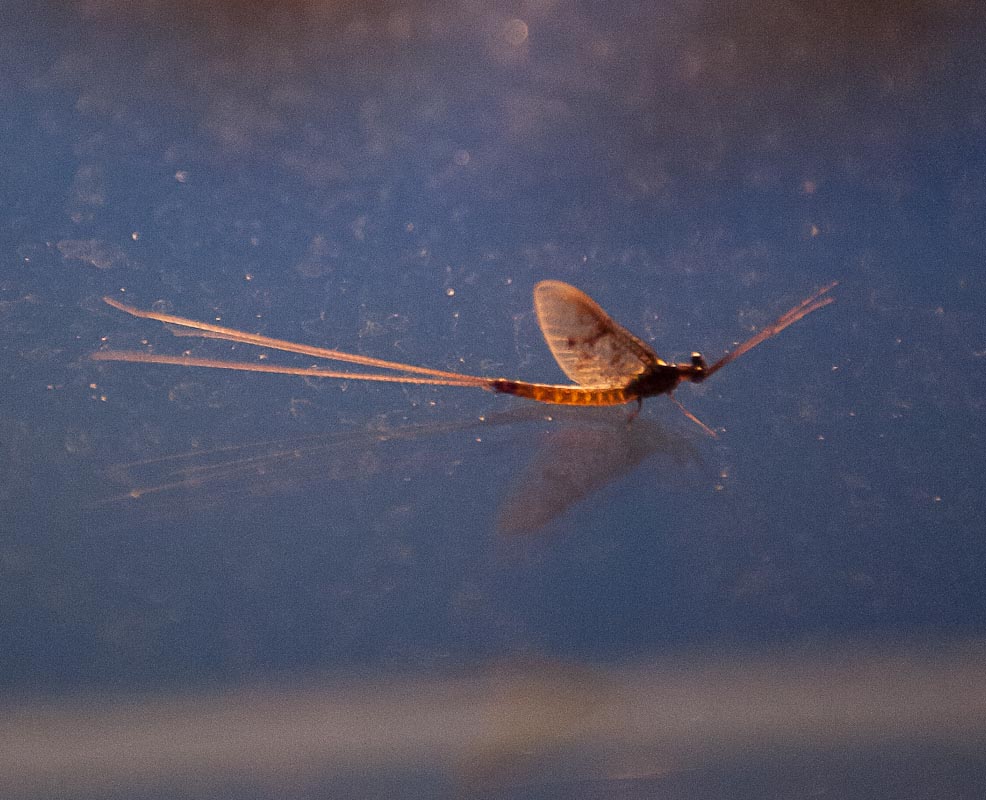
<point>608,364</point>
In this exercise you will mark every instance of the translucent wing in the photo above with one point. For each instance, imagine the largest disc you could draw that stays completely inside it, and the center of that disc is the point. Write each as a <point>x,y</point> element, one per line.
<point>589,346</point>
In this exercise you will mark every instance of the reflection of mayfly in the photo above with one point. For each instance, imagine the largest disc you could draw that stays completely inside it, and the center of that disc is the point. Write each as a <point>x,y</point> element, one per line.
<point>609,365</point>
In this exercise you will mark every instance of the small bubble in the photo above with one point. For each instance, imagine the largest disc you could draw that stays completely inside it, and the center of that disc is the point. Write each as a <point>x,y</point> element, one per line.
<point>181,176</point>
<point>450,292</point>
<point>515,32</point>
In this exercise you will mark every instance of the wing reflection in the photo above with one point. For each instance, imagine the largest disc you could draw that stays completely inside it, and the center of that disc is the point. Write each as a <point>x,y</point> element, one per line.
<point>584,456</point>
<point>582,451</point>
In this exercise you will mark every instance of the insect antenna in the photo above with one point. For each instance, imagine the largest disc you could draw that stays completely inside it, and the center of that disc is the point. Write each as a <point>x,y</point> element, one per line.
<point>803,309</point>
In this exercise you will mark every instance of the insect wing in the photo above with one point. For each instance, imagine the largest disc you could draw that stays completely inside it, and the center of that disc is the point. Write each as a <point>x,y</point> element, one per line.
<point>588,345</point>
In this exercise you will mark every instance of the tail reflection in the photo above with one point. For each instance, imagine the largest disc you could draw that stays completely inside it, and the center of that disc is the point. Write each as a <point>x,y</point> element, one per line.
<point>581,453</point>
<point>289,466</point>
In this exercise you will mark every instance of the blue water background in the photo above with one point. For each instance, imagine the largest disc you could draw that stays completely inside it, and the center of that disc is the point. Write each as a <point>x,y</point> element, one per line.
<point>392,180</point>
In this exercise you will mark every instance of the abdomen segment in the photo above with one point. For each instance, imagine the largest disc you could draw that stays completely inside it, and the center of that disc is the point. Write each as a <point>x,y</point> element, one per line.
<point>563,395</point>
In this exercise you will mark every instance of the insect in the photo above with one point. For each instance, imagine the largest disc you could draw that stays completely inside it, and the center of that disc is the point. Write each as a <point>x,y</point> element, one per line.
<point>609,365</point>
